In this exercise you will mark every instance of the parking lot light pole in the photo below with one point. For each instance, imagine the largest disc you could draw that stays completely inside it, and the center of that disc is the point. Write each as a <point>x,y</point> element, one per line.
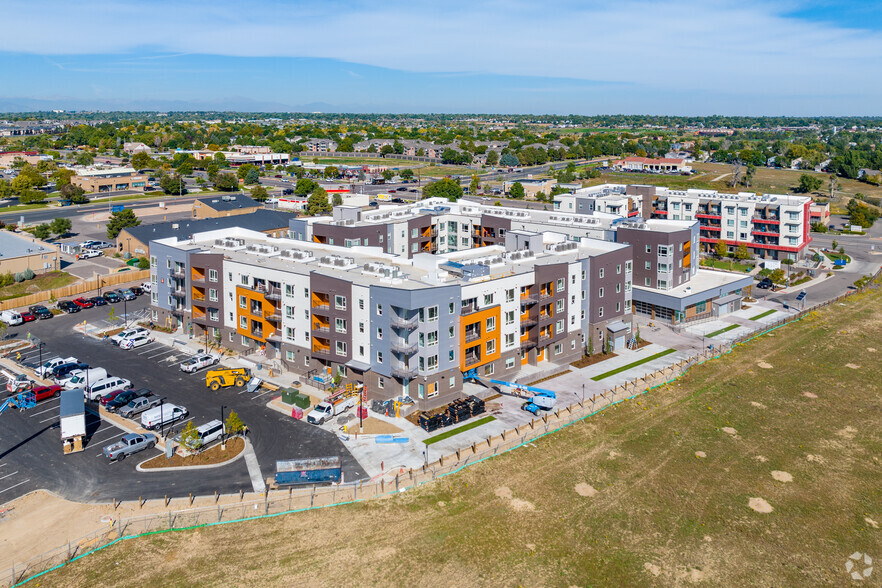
<point>125,312</point>
<point>223,432</point>
<point>161,419</point>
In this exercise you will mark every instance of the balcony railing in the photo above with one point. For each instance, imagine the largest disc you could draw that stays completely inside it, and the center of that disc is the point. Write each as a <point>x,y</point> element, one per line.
<point>321,306</point>
<point>403,347</point>
<point>320,328</point>
<point>179,293</point>
<point>545,294</point>
<point>472,358</point>
<point>405,323</point>
<point>179,273</point>
<point>257,333</point>
<point>529,299</point>
<point>405,373</point>
<point>472,336</point>
<point>544,336</point>
<point>528,344</point>
<point>275,336</point>
<point>468,309</point>
<point>323,351</point>
<point>529,322</point>
<point>197,278</point>
<point>272,315</point>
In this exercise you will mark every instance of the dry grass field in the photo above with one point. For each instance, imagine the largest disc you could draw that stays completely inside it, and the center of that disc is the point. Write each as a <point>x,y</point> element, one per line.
<point>760,468</point>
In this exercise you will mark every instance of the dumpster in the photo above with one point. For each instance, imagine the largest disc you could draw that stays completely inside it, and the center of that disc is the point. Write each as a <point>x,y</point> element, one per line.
<point>308,471</point>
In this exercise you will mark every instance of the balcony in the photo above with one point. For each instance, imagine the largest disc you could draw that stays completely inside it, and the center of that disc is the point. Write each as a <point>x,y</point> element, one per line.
<point>545,294</point>
<point>528,344</point>
<point>275,336</point>
<point>197,278</point>
<point>404,323</point>
<point>198,297</point>
<point>529,299</point>
<point>472,358</point>
<point>544,336</point>
<point>320,328</point>
<point>179,273</point>
<point>468,309</point>
<point>764,233</point>
<point>182,294</point>
<point>529,322</point>
<point>711,228</point>
<point>321,350</point>
<point>274,315</point>
<point>403,347</point>
<point>766,219</point>
<point>404,372</point>
<point>473,335</point>
<point>708,215</point>
<point>546,318</point>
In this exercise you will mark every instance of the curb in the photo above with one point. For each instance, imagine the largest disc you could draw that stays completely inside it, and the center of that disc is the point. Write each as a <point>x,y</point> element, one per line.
<point>191,468</point>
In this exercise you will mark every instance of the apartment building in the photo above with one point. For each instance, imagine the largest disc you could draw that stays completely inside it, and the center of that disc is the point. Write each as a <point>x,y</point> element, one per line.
<point>413,324</point>
<point>771,226</point>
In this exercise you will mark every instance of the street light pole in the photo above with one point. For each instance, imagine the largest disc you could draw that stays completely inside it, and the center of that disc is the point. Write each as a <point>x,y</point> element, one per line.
<point>223,428</point>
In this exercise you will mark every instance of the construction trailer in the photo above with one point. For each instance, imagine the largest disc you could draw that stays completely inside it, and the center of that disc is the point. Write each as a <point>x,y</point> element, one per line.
<point>73,420</point>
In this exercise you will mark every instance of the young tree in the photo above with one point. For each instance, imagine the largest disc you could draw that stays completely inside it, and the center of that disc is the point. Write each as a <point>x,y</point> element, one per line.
<point>741,252</point>
<point>720,249</point>
<point>406,174</point>
<point>337,199</point>
<point>777,276</point>
<point>233,424</point>
<point>317,203</point>
<point>120,220</point>
<point>516,191</point>
<point>388,174</point>
<point>259,193</point>
<point>475,185</point>
<point>61,226</point>
<point>143,263</point>
<point>190,437</point>
<point>85,158</point>
<point>445,188</point>
<point>304,186</point>
<point>31,196</point>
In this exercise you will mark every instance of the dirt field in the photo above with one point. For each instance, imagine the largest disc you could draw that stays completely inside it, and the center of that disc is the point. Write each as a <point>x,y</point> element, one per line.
<point>759,468</point>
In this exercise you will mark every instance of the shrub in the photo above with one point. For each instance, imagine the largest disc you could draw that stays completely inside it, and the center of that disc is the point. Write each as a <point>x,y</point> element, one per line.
<point>19,277</point>
<point>143,263</point>
<point>29,274</point>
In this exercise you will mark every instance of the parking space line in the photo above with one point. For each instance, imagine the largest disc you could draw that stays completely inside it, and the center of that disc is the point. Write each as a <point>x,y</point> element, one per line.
<point>16,486</point>
<point>115,433</point>
<point>166,352</point>
<point>7,475</point>
<point>262,393</point>
<point>151,347</point>
<point>54,418</point>
<point>42,411</point>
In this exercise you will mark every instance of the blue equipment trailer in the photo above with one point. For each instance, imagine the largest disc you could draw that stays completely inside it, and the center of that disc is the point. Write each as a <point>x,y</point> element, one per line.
<point>316,470</point>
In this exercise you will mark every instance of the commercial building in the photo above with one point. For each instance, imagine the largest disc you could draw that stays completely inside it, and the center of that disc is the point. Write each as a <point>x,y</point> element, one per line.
<point>8,158</point>
<point>21,252</point>
<point>531,186</point>
<point>135,241</point>
<point>820,213</point>
<point>402,320</point>
<point>136,147</point>
<point>771,226</point>
<point>652,165</point>
<point>109,180</point>
<point>227,205</point>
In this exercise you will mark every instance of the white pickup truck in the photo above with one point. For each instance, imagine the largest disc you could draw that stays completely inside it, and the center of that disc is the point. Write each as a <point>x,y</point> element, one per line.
<point>324,411</point>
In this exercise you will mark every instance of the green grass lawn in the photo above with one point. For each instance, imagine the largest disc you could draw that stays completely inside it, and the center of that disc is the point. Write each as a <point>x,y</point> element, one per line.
<point>458,430</point>
<point>727,265</point>
<point>762,315</point>
<point>721,331</point>
<point>632,365</point>
<point>22,207</point>
<point>833,256</point>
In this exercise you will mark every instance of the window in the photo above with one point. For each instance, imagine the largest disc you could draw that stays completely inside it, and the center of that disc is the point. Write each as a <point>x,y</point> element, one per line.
<point>648,265</point>
<point>450,355</point>
<point>730,222</point>
<point>340,302</point>
<point>246,342</point>
<point>560,327</point>
<point>361,327</point>
<point>243,279</point>
<point>212,275</point>
<point>450,332</point>
<point>243,302</point>
<point>212,294</point>
<point>491,346</point>
<point>414,247</point>
<point>243,322</point>
<point>561,284</point>
<point>432,338</point>
<point>600,273</point>
<point>491,324</point>
<point>432,362</point>
<point>742,224</point>
<point>558,349</point>
<point>676,206</point>
<point>381,383</point>
<point>289,355</point>
<point>231,336</point>
<point>213,314</point>
<point>379,332</point>
<point>627,267</point>
<point>663,250</point>
<point>649,248</point>
<point>414,233</point>
<point>289,312</point>
<point>452,382</point>
<point>306,314</point>
<point>600,311</point>
<point>619,269</point>
<point>600,293</point>
<point>509,317</point>
<point>379,357</point>
<point>361,304</point>
<point>451,308</point>
<point>289,333</point>
<point>662,284</point>
<point>306,361</point>
<point>646,280</point>
<point>558,306</point>
<point>509,363</point>
<point>340,325</point>
<point>341,348</point>
<point>509,295</point>
<point>488,299</point>
<point>583,275</point>
<point>618,306</point>
<point>422,364</point>
<point>361,350</point>
<point>432,311</point>
<point>618,287</point>
<point>509,339</point>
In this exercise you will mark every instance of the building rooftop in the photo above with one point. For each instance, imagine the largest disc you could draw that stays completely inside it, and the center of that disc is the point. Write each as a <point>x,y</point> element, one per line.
<point>12,246</point>
<point>231,202</point>
<point>703,281</point>
<point>259,220</point>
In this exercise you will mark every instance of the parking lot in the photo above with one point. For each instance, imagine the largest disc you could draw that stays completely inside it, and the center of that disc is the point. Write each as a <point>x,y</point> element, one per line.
<point>30,448</point>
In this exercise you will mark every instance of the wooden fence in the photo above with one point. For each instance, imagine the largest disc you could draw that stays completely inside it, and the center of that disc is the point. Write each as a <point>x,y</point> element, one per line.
<point>78,288</point>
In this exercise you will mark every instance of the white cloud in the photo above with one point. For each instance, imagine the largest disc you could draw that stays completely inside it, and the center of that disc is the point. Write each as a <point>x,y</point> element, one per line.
<point>749,47</point>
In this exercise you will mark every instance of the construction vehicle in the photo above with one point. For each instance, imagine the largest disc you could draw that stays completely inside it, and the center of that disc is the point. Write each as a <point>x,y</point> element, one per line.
<point>215,379</point>
<point>21,401</point>
<point>337,403</point>
<point>537,398</point>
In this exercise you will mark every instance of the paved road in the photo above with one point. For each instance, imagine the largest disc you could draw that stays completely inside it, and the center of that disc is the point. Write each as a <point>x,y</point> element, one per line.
<point>29,443</point>
<point>47,214</point>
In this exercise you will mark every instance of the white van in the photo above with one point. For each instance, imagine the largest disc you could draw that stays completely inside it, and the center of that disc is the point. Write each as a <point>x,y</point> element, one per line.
<point>11,318</point>
<point>82,378</point>
<point>162,415</point>
<point>205,434</point>
<point>106,386</point>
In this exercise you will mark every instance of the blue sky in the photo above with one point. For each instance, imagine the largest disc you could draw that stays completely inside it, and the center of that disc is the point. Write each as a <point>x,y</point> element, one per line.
<point>585,57</point>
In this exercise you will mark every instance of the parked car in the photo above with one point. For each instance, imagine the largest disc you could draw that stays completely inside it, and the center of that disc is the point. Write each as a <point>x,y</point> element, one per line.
<point>60,372</point>
<point>27,317</point>
<point>146,286</point>
<point>128,333</point>
<point>40,311</point>
<point>101,245</point>
<point>112,297</point>
<point>765,284</point>
<point>116,400</point>
<point>205,434</point>
<point>139,405</point>
<point>46,392</point>
<point>129,444</point>
<point>98,301</point>
<point>88,244</point>
<point>45,370</point>
<point>137,290</point>
<point>11,318</point>
<point>68,306</point>
<point>82,379</point>
<point>83,302</point>
<point>106,386</point>
<point>89,253</point>
<point>197,362</point>
<point>160,416</point>
<point>126,294</point>
<point>136,341</point>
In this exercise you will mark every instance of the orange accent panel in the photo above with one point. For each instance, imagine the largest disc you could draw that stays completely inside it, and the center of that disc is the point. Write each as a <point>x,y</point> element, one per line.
<point>266,307</point>
<point>480,316</point>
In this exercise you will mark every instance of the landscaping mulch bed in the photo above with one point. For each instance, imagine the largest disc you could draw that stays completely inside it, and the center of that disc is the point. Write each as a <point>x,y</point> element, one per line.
<point>592,359</point>
<point>548,378</point>
<point>211,456</point>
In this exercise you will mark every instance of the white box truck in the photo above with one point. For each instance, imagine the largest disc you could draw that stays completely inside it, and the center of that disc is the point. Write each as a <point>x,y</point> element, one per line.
<point>73,420</point>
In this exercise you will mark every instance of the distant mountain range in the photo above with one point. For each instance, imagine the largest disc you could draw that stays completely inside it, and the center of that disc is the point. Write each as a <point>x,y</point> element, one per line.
<point>241,104</point>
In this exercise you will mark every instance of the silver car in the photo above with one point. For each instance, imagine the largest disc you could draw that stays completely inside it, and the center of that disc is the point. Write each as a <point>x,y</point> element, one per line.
<point>129,444</point>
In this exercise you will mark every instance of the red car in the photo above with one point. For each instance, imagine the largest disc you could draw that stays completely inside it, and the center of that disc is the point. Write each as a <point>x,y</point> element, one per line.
<point>45,392</point>
<point>105,399</point>
<point>83,302</point>
<point>27,317</point>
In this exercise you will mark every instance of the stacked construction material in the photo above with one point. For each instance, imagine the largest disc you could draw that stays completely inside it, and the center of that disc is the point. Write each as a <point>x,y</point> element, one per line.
<point>459,410</point>
<point>431,422</point>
